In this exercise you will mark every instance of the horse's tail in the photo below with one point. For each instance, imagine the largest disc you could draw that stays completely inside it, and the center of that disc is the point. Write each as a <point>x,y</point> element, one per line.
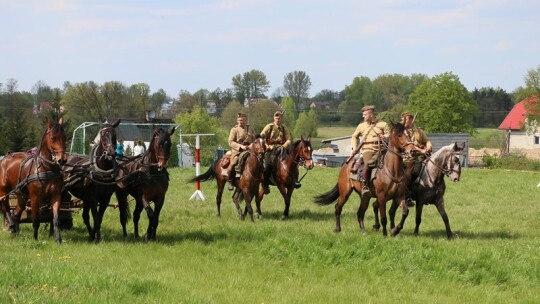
<point>206,176</point>
<point>328,197</point>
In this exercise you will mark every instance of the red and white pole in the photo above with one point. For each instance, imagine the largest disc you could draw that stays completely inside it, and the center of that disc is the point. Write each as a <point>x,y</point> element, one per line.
<point>198,193</point>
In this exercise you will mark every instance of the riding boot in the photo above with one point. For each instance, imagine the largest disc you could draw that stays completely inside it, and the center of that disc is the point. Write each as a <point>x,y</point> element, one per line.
<point>356,166</point>
<point>266,180</point>
<point>231,180</point>
<point>366,175</point>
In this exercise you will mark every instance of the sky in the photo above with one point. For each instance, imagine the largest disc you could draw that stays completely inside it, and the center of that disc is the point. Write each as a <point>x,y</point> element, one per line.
<point>203,44</point>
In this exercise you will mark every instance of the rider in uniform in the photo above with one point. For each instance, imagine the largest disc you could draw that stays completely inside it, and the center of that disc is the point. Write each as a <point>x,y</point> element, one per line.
<point>371,132</point>
<point>277,137</point>
<point>240,137</point>
<point>423,148</point>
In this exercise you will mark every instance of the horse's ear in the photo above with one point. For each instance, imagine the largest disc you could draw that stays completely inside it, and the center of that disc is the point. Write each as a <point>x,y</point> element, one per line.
<point>172,131</point>
<point>116,123</point>
<point>302,137</point>
<point>61,120</point>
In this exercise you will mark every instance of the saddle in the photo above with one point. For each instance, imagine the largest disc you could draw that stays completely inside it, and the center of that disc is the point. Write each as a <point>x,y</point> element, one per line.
<point>226,160</point>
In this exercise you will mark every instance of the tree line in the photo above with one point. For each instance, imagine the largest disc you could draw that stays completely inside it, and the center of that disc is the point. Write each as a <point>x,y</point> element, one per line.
<point>441,102</point>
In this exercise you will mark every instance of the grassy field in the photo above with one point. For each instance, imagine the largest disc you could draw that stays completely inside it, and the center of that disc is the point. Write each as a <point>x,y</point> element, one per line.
<point>200,258</point>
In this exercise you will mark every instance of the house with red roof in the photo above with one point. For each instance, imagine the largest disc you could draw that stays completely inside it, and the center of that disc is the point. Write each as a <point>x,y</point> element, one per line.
<point>514,125</point>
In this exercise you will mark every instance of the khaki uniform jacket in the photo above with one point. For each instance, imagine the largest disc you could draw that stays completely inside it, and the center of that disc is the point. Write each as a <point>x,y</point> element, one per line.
<point>370,132</point>
<point>240,136</point>
<point>419,139</point>
<point>275,135</point>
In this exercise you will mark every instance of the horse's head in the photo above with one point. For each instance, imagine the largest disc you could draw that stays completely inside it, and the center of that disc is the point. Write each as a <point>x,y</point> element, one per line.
<point>106,146</point>
<point>400,139</point>
<point>304,153</point>
<point>160,147</point>
<point>258,148</point>
<point>453,165</point>
<point>54,142</point>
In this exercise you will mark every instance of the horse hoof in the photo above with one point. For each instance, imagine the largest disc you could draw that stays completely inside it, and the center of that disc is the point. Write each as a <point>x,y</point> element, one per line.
<point>376,228</point>
<point>284,218</point>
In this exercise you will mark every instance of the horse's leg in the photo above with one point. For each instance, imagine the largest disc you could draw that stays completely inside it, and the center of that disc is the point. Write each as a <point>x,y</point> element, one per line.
<point>258,199</point>
<point>444,216</point>
<point>89,204</point>
<point>236,198</point>
<point>286,193</point>
<point>103,204</point>
<point>219,195</point>
<point>392,214</point>
<point>158,205</point>
<point>344,193</point>
<point>418,218</point>
<point>377,225</point>
<point>364,204</point>
<point>405,212</point>
<point>151,218</point>
<point>137,216</point>
<point>57,199</point>
<point>123,205</point>
<point>382,212</point>
<point>249,209</point>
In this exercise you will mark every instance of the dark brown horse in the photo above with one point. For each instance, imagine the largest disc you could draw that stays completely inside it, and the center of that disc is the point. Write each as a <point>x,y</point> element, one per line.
<point>37,178</point>
<point>390,182</point>
<point>429,187</point>
<point>247,186</point>
<point>286,173</point>
<point>147,180</point>
<point>93,178</point>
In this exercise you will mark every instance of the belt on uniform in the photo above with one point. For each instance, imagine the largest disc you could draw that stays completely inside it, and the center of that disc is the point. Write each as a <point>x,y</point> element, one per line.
<point>371,142</point>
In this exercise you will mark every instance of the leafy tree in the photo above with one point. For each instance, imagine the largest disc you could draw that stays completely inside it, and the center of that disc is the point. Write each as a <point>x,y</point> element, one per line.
<point>297,85</point>
<point>84,102</point>
<point>228,117</point>
<point>140,100</point>
<point>198,121</point>
<point>252,84</point>
<point>395,88</point>
<point>358,94</point>
<point>334,98</point>
<point>115,97</point>
<point>493,106</point>
<point>306,125</point>
<point>261,113</point>
<point>444,105</point>
<point>290,112</point>
<point>157,100</point>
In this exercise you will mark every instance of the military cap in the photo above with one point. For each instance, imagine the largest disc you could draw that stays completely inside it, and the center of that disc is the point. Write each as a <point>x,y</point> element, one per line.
<point>240,114</point>
<point>368,107</point>
<point>277,113</point>
<point>407,114</point>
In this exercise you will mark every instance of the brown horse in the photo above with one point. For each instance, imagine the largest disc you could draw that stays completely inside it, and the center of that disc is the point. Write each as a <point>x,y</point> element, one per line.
<point>390,182</point>
<point>147,180</point>
<point>430,186</point>
<point>247,186</point>
<point>93,178</point>
<point>35,177</point>
<point>286,173</point>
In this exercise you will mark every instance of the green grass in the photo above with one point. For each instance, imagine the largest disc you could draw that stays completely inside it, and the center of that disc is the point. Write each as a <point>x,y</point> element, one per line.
<point>200,258</point>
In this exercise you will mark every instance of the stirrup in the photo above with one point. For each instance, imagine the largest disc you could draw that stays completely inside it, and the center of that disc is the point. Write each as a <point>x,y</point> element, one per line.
<point>365,190</point>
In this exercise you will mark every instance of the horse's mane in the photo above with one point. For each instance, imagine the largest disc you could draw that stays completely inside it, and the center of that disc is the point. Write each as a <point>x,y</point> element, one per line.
<point>398,128</point>
<point>295,144</point>
<point>441,151</point>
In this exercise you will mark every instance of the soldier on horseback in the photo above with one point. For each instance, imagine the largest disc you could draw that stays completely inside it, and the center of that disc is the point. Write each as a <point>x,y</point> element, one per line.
<point>240,137</point>
<point>371,132</point>
<point>277,137</point>
<point>423,148</point>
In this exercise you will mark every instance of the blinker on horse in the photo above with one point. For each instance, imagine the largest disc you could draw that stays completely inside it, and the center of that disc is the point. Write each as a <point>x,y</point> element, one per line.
<point>37,178</point>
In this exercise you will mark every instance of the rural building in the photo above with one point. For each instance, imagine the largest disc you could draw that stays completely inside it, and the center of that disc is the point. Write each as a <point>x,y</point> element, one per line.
<point>514,126</point>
